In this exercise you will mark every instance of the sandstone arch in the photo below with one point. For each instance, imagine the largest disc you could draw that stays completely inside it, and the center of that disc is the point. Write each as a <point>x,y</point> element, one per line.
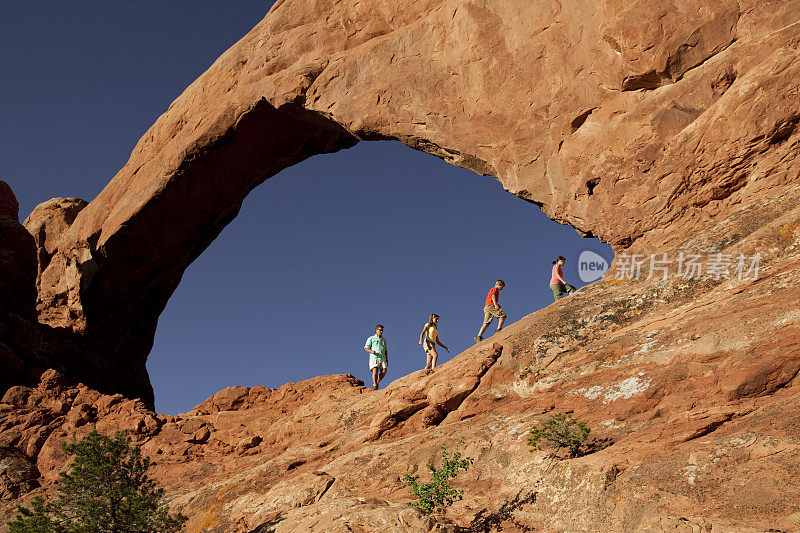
<point>635,124</point>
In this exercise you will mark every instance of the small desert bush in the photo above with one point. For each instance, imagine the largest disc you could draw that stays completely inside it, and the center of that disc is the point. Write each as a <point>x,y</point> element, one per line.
<point>561,431</point>
<point>438,495</point>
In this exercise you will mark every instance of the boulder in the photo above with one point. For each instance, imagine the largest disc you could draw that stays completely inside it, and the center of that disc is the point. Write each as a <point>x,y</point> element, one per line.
<point>9,206</point>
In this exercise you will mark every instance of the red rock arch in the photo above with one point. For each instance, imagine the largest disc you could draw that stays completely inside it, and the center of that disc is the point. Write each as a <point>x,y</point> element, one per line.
<point>631,123</point>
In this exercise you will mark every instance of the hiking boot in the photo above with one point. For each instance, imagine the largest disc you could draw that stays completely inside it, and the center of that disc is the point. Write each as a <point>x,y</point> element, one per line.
<point>478,338</point>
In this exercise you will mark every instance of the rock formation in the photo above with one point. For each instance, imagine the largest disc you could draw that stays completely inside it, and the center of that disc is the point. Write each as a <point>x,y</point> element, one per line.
<point>18,333</point>
<point>660,127</point>
<point>636,123</point>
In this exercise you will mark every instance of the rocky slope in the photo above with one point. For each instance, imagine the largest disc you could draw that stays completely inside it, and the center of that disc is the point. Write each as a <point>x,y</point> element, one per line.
<point>689,386</point>
<point>661,127</point>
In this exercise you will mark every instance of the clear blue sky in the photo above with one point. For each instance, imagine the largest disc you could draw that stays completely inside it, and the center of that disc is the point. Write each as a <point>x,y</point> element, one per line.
<point>318,255</point>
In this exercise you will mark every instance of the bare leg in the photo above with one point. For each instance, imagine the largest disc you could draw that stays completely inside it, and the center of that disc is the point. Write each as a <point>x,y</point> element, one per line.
<point>383,373</point>
<point>483,329</point>
<point>428,359</point>
<point>375,379</point>
<point>500,323</point>
<point>434,356</point>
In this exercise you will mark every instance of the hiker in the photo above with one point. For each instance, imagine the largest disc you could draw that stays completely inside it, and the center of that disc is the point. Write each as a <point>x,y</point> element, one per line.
<point>430,338</point>
<point>378,355</point>
<point>492,309</point>
<point>557,283</point>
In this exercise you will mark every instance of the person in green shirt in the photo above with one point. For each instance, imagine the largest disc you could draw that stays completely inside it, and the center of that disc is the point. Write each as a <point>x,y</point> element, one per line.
<point>378,355</point>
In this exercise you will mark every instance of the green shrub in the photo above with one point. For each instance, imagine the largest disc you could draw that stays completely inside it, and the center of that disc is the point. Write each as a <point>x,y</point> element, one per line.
<point>438,495</point>
<point>107,490</point>
<point>562,431</point>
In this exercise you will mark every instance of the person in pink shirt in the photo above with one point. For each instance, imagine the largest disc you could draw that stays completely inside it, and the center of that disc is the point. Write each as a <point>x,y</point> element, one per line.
<point>557,283</point>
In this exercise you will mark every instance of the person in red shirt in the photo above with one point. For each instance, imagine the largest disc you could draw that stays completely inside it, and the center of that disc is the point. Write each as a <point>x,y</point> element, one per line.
<point>557,283</point>
<point>492,309</point>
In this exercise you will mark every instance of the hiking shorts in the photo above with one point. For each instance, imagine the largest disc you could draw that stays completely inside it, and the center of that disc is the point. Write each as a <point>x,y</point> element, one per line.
<point>560,290</point>
<point>377,362</point>
<point>492,311</point>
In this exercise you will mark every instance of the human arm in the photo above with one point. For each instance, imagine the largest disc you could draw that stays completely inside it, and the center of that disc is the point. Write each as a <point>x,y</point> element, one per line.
<point>494,299</point>
<point>436,340</point>
<point>558,274</point>
<point>424,330</point>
